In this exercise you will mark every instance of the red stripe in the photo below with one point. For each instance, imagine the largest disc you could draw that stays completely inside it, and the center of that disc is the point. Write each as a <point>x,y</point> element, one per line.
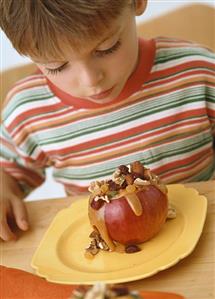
<point>30,78</point>
<point>33,112</point>
<point>180,76</point>
<point>179,163</point>
<point>178,68</point>
<point>25,174</point>
<point>139,138</point>
<point>52,115</point>
<point>130,132</point>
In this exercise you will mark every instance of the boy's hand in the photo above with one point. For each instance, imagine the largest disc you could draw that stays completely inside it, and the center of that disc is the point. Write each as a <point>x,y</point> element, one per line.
<point>12,208</point>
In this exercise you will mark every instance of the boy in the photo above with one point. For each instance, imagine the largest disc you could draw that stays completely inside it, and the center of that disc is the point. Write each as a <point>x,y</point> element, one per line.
<point>102,98</point>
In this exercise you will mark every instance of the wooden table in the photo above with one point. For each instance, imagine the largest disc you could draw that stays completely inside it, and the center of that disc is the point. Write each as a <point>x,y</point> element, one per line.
<point>193,277</point>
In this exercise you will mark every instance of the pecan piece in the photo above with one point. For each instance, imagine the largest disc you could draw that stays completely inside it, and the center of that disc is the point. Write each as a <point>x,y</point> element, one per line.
<point>129,179</point>
<point>95,235</point>
<point>137,168</point>
<point>147,174</point>
<point>113,186</point>
<point>123,169</point>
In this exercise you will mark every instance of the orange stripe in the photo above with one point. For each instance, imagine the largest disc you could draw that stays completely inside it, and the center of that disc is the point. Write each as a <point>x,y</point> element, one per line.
<point>71,118</point>
<point>137,130</point>
<point>184,174</point>
<point>135,139</point>
<point>124,151</point>
<point>20,87</point>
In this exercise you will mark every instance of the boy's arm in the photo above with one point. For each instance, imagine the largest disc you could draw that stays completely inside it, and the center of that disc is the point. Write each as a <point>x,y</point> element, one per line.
<point>12,207</point>
<point>210,102</point>
<point>28,173</point>
<point>19,175</point>
<point>210,93</point>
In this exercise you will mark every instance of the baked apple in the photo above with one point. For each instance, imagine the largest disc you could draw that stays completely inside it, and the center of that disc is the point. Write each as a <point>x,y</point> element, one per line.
<point>128,210</point>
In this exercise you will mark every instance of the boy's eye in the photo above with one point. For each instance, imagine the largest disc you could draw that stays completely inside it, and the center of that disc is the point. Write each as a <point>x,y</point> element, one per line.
<point>98,53</point>
<point>56,70</point>
<point>115,47</point>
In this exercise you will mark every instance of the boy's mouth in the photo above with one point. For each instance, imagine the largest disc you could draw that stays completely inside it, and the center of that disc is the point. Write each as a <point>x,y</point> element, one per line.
<point>102,95</point>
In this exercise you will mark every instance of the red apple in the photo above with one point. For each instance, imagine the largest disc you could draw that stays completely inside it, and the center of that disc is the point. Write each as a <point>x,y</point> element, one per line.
<point>125,227</point>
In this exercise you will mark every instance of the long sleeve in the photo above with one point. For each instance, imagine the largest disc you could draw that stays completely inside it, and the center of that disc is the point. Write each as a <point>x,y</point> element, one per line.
<point>210,102</point>
<point>28,173</point>
<point>20,157</point>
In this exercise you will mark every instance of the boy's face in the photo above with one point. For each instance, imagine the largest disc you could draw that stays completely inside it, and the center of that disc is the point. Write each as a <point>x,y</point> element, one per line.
<point>99,71</point>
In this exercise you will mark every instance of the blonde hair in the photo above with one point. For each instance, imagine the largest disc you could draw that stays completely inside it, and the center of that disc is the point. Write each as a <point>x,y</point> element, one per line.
<point>37,28</point>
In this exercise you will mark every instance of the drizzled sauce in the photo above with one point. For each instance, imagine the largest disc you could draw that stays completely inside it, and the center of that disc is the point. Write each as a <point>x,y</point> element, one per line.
<point>97,217</point>
<point>134,203</point>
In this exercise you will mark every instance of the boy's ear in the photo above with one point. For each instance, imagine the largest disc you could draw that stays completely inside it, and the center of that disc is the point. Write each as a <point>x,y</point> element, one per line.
<point>140,6</point>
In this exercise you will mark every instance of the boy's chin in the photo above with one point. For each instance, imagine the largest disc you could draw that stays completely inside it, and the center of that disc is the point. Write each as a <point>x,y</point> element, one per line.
<point>108,99</point>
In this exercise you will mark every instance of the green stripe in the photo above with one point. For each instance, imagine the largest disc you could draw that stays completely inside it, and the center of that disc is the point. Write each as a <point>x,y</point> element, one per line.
<point>87,128</point>
<point>165,55</point>
<point>27,100</point>
<point>92,172</point>
<point>165,76</point>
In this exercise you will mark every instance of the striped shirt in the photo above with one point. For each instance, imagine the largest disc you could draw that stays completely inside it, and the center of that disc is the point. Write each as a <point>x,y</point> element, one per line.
<point>164,117</point>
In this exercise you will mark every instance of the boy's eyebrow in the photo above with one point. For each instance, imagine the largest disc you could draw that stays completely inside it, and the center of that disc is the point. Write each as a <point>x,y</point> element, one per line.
<point>111,33</point>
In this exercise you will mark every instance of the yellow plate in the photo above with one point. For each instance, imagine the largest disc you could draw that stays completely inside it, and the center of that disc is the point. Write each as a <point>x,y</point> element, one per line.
<point>60,255</point>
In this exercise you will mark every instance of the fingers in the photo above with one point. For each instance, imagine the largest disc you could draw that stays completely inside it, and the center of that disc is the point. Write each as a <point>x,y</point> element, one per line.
<point>5,232</point>
<point>20,214</point>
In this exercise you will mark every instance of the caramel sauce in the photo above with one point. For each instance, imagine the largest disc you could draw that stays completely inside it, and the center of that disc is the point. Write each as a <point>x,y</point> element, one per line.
<point>97,219</point>
<point>134,203</point>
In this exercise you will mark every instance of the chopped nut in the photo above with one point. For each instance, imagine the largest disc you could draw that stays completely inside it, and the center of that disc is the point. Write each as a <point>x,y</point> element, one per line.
<point>132,249</point>
<point>103,197</point>
<point>92,249</point>
<point>147,174</point>
<point>95,188</point>
<point>103,245</point>
<point>137,175</point>
<point>171,214</point>
<point>113,186</point>
<point>137,167</point>
<point>119,180</point>
<point>124,185</point>
<point>104,188</point>
<point>141,182</point>
<point>94,235</point>
<point>97,198</point>
<point>93,243</point>
<point>129,179</point>
<point>116,173</point>
<point>155,178</point>
<point>123,169</point>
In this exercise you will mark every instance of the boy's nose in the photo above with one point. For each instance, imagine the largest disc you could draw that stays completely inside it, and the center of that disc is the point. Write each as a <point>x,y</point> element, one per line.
<point>90,76</point>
